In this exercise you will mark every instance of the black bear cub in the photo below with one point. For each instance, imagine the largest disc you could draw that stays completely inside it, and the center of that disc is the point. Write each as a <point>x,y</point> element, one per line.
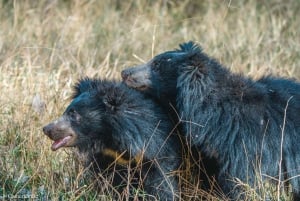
<point>110,123</point>
<point>251,128</point>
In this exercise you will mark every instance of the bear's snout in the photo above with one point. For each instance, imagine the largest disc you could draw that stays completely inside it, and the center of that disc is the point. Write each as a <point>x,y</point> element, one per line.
<point>125,74</point>
<point>48,129</point>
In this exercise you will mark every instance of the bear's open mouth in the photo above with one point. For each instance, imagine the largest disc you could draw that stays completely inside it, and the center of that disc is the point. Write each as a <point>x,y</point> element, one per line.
<point>60,142</point>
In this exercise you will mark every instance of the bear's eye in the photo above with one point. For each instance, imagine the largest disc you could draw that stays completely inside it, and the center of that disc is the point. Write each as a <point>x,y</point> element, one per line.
<point>155,66</point>
<point>74,116</point>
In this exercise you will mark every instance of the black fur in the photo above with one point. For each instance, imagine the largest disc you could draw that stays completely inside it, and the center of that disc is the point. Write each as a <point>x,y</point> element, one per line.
<point>240,122</point>
<point>107,117</point>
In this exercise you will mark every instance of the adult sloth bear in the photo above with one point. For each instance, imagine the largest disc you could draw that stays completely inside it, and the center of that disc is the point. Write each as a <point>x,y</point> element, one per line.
<point>111,123</point>
<point>251,127</point>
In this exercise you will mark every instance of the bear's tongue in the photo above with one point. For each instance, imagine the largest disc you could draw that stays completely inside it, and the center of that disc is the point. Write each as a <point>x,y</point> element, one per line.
<point>60,143</point>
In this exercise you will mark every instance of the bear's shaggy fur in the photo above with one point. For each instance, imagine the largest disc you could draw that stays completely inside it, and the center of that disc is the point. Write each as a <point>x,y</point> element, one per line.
<point>252,128</point>
<point>109,122</point>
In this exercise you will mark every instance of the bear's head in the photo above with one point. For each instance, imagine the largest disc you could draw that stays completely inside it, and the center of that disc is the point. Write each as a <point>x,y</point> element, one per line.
<point>158,77</point>
<point>85,119</point>
<point>110,116</point>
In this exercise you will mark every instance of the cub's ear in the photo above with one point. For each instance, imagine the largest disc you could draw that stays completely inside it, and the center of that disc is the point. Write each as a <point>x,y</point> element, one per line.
<point>189,47</point>
<point>83,85</point>
<point>112,100</point>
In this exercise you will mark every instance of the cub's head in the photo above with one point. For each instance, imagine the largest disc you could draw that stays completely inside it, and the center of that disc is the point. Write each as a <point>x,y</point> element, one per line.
<point>84,119</point>
<point>158,77</point>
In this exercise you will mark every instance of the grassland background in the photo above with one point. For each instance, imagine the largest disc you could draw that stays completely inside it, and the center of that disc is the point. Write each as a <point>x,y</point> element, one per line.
<point>45,46</point>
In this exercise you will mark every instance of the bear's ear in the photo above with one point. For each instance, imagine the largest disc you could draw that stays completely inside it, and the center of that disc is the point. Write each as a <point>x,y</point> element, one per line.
<point>112,101</point>
<point>83,85</point>
<point>189,47</point>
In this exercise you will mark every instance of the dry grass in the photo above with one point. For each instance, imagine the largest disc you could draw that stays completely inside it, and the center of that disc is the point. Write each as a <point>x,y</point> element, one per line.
<point>45,46</point>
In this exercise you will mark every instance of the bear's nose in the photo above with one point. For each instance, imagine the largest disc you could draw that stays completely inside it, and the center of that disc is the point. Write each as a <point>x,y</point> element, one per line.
<point>47,129</point>
<point>125,74</point>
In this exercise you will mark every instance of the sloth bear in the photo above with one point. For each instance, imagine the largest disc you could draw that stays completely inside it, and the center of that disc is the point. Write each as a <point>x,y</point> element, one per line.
<point>251,128</point>
<point>110,123</point>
